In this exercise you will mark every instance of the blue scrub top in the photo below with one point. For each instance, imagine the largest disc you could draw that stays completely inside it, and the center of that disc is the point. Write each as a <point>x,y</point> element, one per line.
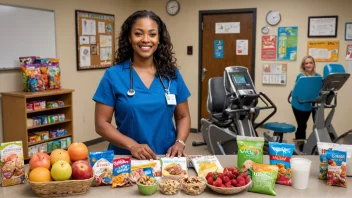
<point>300,75</point>
<point>144,117</point>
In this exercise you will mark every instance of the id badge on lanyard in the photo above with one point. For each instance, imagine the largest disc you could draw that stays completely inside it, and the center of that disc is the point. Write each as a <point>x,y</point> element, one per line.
<point>170,98</point>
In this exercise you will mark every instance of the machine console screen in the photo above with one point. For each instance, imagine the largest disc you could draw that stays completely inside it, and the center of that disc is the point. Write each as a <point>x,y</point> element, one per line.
<point>239,78</point>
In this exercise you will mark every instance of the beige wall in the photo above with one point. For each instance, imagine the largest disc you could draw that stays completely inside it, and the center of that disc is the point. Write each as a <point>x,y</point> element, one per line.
<point>184,31</point>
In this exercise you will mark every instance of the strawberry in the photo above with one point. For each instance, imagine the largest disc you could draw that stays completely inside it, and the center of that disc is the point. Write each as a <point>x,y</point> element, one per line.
<point>217,183</point>
<point>234,171</point>
<point>229,175</point>
<point>244,175</point>
<point>228,185</point>
<point>221,176</point>
<point>241,183</point>
<point>210,180</point>
<point>210,174</point>
<point>247,180</point>
<point>219,180</point>
<point>225,179</point>
<point>233,182</point>
<point>240,178</point>
<point>226,170</point>
<point>222,186</point>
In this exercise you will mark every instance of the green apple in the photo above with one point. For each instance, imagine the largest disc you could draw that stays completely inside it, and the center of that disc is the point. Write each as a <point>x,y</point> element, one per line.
<point>61,171</point>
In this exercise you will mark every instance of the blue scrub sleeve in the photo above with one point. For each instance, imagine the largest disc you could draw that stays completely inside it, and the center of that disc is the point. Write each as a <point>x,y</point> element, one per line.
<point>182,90</point>
<point>299,76</point>
<point>104,93</point>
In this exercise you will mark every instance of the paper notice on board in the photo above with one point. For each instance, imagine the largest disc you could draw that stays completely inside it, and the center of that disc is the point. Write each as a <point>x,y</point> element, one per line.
<point>88,27</point>
<point>106,53</point>
<point>84,40</point>
<point>101,27</point>
<point>92,40</point>
<point>84,56</point>
<point>105,41</point>
<point>227,28</point>
<point>241,47</point>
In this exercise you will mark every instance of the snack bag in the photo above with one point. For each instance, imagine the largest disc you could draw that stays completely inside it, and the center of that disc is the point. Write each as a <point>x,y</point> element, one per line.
<point>263,178</point>
<point>11,163</point>
<point>141,168</point>
<point>205,164</point>
<point>323,168</point>
<point>122,169</point>
<point>174,167</point>
<point>348,149</point>
<point>280,155</point>
<point>54,76</point>
<point>32,78</point>
<point>250,149</point>
<point>336,168</point>
<point>101,163</point>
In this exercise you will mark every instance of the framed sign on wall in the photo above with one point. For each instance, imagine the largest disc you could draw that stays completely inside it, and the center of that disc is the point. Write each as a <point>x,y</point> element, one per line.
<point>95,40</point>
<point>322,26</point>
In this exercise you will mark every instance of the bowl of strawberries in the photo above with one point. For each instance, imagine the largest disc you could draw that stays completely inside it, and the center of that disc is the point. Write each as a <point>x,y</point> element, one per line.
<point>230,181</point>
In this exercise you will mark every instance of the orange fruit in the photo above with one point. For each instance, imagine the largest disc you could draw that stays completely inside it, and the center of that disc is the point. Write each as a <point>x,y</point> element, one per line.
<point>40,174</point>
<point>59,154</point>
<point>78,151</point>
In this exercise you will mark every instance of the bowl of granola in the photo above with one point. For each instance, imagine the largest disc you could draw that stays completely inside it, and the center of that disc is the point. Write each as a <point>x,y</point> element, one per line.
<point>193,185</point>
<point>147,185</point>
<point>169,186</point>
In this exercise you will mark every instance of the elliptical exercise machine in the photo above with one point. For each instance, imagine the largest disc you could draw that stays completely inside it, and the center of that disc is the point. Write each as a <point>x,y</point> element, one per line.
<point>318,94</point>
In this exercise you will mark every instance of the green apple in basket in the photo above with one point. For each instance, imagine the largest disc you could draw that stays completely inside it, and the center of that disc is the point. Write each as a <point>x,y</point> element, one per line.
<point>61,171</point>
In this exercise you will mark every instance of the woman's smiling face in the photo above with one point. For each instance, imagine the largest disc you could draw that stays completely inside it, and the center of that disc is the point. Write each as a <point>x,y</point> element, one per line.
<point>144,38</point>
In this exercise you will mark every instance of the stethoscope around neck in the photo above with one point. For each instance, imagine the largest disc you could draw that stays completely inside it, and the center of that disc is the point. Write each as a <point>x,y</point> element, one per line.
<point>131,92</point>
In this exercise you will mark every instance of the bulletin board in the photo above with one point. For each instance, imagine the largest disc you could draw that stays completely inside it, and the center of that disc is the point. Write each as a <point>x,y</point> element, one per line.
<point>324,50</point>
<point>95,40</point>
<point>274,73</point>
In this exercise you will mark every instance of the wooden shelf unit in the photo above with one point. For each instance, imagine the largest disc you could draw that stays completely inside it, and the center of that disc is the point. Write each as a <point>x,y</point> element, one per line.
<point>15,114</point>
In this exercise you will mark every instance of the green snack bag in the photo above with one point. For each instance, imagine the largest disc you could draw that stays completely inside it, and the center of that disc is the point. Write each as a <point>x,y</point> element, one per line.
<point>250,149</point>
<point>264,178</point>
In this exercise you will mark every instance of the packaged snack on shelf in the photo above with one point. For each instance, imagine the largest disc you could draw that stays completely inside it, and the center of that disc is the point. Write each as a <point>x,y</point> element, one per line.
<point>63,143</point>
<point>53,133</point>
<point>36,105</point>
<point>348,150</point>
<point>60,103</point>
<point>42,148</point>
<point>54,76</point>
<point>49,146</point>
<point>250,149</point>
<point>42,104</point>
<point>203,164</point>
<point>30,106</point>
<point>68,141</point>
<point>102,165</point>
<point>44,119</point>
<point>32,150</point>
<point>175,167</point>
<point>32,78</point>
<point>263,178</point>
<point>56,144</point>
<point>61,117</point>
<point>121,172</point>
<point>27,60</point>
<point>140,168</point>
<point>37,121</point>
<point>30,122</point>
<point>52,104</point>
<point>61,132</point>
<point>280,155</point>
<point>11,163</point>
<point>44,135</point>
<point>323,167</point>
<point>337,170</point>
<point>32,138</point>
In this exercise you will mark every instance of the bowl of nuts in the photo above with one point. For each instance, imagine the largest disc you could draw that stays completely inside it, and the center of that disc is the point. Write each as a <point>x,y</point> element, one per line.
<point>147,185</point>
<point>168,186</point>
<point>193,185</point>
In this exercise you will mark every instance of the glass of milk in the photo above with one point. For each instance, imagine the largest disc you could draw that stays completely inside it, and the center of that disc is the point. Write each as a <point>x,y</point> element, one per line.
<point>300,170</point>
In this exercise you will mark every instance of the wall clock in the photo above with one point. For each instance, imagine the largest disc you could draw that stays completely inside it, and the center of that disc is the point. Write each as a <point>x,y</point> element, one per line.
<point>172,7</point>
<point>273,17</point>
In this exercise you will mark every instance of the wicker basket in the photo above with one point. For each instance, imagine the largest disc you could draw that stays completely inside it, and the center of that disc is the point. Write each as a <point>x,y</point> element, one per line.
<point>229,191</point>
<point>60,188</point>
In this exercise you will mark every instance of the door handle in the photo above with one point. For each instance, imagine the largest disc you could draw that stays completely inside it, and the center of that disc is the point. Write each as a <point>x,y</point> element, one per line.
<point>203,73</point>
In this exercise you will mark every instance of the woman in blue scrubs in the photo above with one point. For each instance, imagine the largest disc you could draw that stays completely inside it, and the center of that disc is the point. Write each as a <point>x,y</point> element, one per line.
<point>144,91</point>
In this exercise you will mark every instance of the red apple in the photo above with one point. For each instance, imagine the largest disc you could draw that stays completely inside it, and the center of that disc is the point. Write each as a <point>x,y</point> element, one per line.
<point>39,160</point>
<point>81,169</point>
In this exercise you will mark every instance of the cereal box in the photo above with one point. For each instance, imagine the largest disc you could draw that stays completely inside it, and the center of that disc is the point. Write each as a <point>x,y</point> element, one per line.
<point>12,163</point>
<point>122,169</point>
<point>101,163</point>
<point>174,167</point>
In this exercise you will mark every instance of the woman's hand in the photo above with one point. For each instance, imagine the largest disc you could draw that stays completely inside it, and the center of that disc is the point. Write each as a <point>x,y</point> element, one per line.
<point>175,150</point>
<point>142,151</point>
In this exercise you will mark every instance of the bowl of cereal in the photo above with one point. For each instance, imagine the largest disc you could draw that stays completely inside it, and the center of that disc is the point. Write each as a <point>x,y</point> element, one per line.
<point>168,186</point>
<point>193,185</point>
<point>147,185</point>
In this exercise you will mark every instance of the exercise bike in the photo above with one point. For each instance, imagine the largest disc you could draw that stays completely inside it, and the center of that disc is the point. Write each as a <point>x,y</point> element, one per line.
<point>318,94</point>
<point>233,106</point>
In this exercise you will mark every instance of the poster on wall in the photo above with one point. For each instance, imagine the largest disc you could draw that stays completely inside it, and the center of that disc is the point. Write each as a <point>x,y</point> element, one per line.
<point>218,48</point>
<point>241,47</point>
<point>287,43</point>
<point>269,47</point>
<point>274,73</point>
<point>324,50</point>
<point>349,52</point>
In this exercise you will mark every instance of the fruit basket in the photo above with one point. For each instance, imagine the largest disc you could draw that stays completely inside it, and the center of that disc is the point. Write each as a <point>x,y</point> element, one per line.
<point>231,190</point>
<point>60,188</point>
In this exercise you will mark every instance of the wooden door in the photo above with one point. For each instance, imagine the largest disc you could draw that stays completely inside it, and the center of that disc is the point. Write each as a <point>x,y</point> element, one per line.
<point>210,66</point>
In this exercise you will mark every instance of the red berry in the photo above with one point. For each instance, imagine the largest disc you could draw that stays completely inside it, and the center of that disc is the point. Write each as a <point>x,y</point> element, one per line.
<point>240,178</point>
<point>225,179</point>
<point>235,171</point>
<point>226,170</point>
<point>210,181</point>
<point>222,186</point>
<point>229,175</point>
<point>228,185</point>
<point>241,183</point>
<point>221,176</point>
<point>217,183</point>
<point>233,182</point>
<point>210,174</point>
<point>219,180</point>
<point>247,180</point>
<point>244,175</point>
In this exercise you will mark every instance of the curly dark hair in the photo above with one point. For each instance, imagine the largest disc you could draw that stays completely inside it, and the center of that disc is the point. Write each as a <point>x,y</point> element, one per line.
<point>165,62</point>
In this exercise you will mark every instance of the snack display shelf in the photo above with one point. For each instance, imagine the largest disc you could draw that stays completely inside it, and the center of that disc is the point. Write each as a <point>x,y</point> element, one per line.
<point>51,139</point>
<point>44,125</point>
<point>47,109</point>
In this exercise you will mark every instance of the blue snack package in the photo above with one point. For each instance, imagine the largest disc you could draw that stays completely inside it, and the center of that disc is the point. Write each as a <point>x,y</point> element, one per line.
<point>280,155</point>
<point>122,170</point>
<point>101,163</point>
